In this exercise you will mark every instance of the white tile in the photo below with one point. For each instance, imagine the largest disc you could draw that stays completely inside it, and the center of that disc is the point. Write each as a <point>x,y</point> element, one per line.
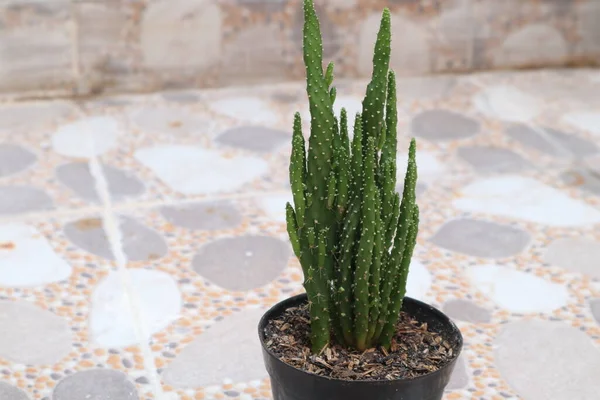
<point>27,259</point>
<point>517,291</point>
<point>525,199</point>
<point>112,316</point>
<point>194,170</point>
<point>507,103</point>
<point>87,137</point>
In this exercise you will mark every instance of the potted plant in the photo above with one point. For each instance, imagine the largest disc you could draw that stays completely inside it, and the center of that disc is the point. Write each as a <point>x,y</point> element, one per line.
<point>354,334</point>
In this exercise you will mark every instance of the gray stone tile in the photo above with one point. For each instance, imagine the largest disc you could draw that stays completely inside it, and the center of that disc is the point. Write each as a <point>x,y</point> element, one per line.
<point>488,159</point>
<point>113,101</point>
<point>575,255</point>
<point>32,335</point>
<point>262,6</point>
<point>143,380</point>
<point>585,179</point>
<point>230,349</point>
<point>466,310</point>
<point>23,199</point>
<point>419,189</point>
<point>595,307</point>
<point>481,238</point>
<point>14,158</point>
<point>547,360</point>
<point>55,10</point>
<point>286,97</point>
<point>242,263</point>
<point>593,164</point>
<point>9,392</point>
<point>208,216</point>
<point>556,143</point>
<point>442,125</point>
<point>96,384</point>
<point>460,377</point>
<point>254,138</point>
<point>427,87</point>
<point>140,242</point>
<point>77,177</point>
<point>180,97</point>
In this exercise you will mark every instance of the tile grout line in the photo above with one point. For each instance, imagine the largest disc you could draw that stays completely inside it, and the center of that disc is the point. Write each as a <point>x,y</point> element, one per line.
<point>115,239</point>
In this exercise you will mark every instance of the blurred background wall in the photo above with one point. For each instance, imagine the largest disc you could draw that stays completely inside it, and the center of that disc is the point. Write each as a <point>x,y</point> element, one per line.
<point>84,47</point>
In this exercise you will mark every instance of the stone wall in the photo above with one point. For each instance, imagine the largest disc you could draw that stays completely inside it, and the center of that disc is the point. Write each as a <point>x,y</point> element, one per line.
<point>65,47</point>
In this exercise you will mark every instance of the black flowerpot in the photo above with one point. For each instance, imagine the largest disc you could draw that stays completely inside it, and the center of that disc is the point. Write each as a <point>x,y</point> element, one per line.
<point>291,383</point>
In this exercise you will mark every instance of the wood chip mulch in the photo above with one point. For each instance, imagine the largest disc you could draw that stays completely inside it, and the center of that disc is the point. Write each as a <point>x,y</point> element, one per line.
<point>415,350</point>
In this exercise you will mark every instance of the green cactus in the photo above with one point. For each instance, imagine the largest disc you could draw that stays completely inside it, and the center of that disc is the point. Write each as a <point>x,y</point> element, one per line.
<point>352,233</point>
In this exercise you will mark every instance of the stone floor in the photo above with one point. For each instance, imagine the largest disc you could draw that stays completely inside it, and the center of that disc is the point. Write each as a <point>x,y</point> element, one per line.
<point>142,237</point>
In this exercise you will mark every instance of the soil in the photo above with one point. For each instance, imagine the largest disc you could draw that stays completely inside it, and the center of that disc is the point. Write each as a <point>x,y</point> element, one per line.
<point>415,350</point>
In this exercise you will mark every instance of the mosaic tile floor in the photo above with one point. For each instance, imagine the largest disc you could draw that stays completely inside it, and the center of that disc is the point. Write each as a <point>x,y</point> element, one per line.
<point>142,237</point>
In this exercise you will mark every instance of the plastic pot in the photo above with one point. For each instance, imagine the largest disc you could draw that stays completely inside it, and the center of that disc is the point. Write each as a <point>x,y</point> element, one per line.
<point>291,383</point>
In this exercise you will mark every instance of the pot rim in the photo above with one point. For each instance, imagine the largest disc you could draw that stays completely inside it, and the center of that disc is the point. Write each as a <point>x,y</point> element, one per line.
<point>290,300</point>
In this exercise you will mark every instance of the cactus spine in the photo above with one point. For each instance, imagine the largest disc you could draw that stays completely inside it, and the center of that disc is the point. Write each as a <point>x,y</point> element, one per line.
<point>352,233</point>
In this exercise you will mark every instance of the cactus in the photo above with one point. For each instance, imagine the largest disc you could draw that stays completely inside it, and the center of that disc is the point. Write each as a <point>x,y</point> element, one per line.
<point>352,233</point>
